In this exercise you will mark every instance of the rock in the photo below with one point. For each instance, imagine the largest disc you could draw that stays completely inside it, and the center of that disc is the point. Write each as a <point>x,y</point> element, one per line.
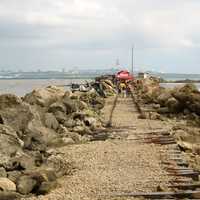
<point>51,122</point>
<point>64,132</point>
<point>70,123</point>
<point>14,175</point>
<point>89,121</point>
<point>163,110</point>
<point>71,105</point>
<point>46,187</point>
<point>57,106</point>
<point>173,105</point>
<point>60,116</point>
<point>59,165</point>
<point>21,161</point>
<point>163,98</point>
<point>9,196</point>
<point>45,96</point>
<point>156,106</point>
<point>154,116</point>
<point>9,144</point>
<point>39,136</point>
<point>7,185</point>
<point>3,172</point>
<point>82,130</point>
<point>67,141</point>
<point>26,184</point>
<point>14,112</point>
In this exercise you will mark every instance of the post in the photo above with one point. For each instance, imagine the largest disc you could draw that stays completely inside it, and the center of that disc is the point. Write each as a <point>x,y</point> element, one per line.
<point>132,60</point>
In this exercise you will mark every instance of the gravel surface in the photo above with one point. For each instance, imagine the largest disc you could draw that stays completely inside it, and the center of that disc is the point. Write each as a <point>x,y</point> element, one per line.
<point>113,166</point>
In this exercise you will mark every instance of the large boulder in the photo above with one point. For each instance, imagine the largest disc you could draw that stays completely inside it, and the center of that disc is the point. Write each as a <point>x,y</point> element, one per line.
<point>163,98</point>
<point>38,136</point>
<point>7,185</point>
<point>45,96</point>
<point>14,112</point>
<point>9,143</point>
<point>26,184</point>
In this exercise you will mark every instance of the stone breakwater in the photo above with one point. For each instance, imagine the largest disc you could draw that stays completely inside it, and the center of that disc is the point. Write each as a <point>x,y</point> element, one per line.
<point>33,126</point>
<point>178,106</point>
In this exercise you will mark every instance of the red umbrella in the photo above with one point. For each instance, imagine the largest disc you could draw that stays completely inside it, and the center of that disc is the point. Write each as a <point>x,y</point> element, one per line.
<point>124,75</point>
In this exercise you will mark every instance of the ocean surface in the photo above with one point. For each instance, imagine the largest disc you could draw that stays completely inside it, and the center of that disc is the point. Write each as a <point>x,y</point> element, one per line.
<point>24,86</point>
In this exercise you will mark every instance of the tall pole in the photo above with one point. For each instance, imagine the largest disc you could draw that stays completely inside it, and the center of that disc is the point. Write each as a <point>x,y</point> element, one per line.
<point>132,59</point>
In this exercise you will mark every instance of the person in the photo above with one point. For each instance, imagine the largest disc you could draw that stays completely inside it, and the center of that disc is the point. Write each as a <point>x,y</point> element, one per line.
<point>123,89</point>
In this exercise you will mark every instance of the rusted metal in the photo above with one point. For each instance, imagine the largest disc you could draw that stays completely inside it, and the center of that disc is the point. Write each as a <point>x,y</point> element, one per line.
<point>153,195</point>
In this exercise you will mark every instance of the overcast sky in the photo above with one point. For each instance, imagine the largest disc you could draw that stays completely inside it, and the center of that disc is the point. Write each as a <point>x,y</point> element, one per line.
<point>52,34</point>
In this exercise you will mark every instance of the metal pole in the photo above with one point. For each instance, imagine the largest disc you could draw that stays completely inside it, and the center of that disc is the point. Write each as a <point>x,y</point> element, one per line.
<point>132,60</point>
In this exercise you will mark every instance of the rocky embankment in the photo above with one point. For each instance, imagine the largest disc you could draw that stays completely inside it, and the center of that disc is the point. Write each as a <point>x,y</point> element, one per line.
<point>180,107</point>
<point>33,126</point>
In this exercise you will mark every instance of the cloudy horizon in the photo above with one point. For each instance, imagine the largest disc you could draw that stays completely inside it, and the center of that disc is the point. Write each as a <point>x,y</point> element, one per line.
<point>94,33</point>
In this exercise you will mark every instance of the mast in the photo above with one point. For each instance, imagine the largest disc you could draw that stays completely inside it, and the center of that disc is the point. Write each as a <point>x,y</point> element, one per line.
<point>132,59</point>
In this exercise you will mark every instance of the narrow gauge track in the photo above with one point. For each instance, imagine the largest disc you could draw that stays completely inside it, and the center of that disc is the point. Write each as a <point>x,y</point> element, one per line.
<point>185,180</point>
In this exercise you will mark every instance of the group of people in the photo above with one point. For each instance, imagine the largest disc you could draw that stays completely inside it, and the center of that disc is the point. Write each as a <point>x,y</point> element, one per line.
<point>123,88</point>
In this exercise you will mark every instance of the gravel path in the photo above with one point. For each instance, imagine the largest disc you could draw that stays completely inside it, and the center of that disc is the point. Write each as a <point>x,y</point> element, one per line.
<point>113,166</point>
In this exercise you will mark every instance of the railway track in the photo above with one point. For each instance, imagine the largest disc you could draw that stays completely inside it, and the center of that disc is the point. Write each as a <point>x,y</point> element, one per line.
<point>185,180</point>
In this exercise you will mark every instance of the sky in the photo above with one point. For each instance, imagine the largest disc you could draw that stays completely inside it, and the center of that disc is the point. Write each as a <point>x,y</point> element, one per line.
<point>88,34</point>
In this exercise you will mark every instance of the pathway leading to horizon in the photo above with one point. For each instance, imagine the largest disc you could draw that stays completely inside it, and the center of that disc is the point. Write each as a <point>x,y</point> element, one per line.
<point>117,165</point>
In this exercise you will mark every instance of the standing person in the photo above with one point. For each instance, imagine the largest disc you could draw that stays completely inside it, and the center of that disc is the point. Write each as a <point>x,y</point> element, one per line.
<point>123,89</point>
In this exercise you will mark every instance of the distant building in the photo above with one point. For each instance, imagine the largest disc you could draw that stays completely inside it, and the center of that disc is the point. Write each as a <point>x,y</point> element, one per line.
<point>143,75</point>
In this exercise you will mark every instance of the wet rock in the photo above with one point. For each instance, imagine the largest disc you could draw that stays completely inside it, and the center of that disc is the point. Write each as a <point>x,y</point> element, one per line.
<point>26,184</point>
<point>45,96</point>
<point>51,122</point>
<point>7,185</point>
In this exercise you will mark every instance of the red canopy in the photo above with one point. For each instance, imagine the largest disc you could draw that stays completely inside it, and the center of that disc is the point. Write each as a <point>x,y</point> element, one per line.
<point>124,75</point>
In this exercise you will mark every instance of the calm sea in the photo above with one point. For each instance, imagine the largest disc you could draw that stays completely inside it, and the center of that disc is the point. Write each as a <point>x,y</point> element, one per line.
<point>21,87</point>
<point>24,86</point>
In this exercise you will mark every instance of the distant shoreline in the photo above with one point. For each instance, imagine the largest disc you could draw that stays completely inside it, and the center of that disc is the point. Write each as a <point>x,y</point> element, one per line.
<point>180,81</point>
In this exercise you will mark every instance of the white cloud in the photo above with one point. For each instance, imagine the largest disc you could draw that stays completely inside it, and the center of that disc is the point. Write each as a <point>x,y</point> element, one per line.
<point>106,25</point>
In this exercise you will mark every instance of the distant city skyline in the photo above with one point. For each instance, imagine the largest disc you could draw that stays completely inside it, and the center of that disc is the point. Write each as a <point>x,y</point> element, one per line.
<point>59,34</point>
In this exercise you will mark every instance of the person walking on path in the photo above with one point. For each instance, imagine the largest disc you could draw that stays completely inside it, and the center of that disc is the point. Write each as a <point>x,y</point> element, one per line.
<point>123,89</point>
